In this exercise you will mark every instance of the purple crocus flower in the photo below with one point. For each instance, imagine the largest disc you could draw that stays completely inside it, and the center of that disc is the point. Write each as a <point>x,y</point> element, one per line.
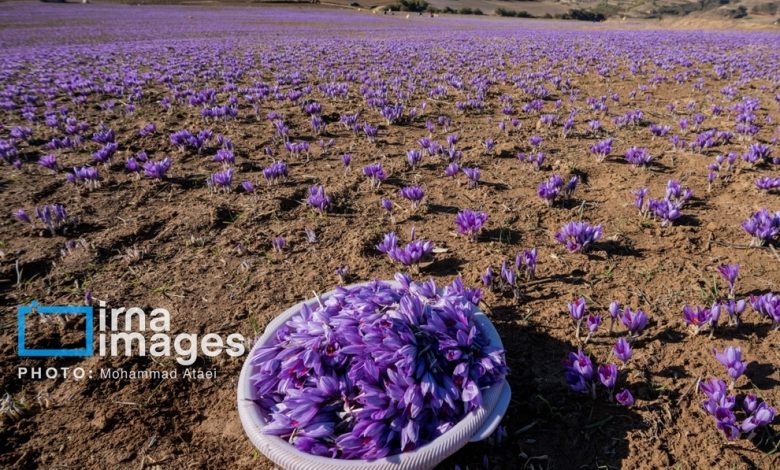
<point>577,236</point>
<point>763,415</point>
<point>578,309</point>
<point>601,149</point>
<point>157,170</point>
<point>734,309</point>
<point>248,186</point>
<point>346,160</point>
<point>414,157</point>
<point>318,199</point>
<point>634,320</point>
<point>276,172</point>
<point>375,174</point>
<point>593,322</point>
<point>132,165</point>
<point>487,278</point>
<point>763,226</point>
<point>87,175</point>
<point>53,216</point>
<point>342,272</point>
<point>767,305</point>
<point>49,161</point>
<point>638,156</point>
<point>666,210</point>
<point>415,194</point>
<point>470,223</point>
<point>625,398</point>
<point>729,273</point>
<point>22,216</point>
<point>622,350</point>
<point>550,189</point>
<point>608,375</point>
<point>767,183</point>
<point>529,263</point>
<point>279,244</point>
<point>473,175</point>
<point>579,372</point>
<point>221,180</point>
<point>731,357</point>
<point>614,311</point>
<point>451,170</point>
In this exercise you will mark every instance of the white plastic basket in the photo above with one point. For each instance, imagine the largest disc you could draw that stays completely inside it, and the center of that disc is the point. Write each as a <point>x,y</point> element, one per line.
<point>477,425</point>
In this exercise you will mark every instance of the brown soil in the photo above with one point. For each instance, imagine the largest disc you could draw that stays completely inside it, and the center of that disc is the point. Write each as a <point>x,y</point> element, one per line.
<point>207,258</point>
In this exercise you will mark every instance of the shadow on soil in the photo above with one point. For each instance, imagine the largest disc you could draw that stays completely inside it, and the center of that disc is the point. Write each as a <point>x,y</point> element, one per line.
<point>547,425</point>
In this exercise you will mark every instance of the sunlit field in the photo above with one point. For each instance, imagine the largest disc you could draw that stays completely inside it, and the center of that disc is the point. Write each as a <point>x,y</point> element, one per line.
<point>609,198</point>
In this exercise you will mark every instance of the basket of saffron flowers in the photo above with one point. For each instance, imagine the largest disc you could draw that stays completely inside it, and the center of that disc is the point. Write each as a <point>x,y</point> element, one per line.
<point>379,375</point>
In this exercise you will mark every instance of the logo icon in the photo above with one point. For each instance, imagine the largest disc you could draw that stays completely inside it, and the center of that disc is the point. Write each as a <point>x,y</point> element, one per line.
<point>24,310</point>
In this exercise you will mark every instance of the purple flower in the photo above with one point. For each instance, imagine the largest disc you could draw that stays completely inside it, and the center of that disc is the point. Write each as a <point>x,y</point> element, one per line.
<point>762,416</point>
<point>729,273</point>
<point>601,149</point>
<point>87,175</point>
<point>346,160</point>
<point>550,189</point>
<point>767,305</point>
<point>276,172</point>
<point>248,186</point>
<point>470,223</point>
<point>666,210</point>
<point>157,170</point>
<point>318,200</point>
<point>279,244</point>
<point>529,263</point>
<point>638,156</point>
<point>21,216</point>
<point>579,372</point>
<point>634,321</point>
<point>132,165</point>
<point>221,180</point>
<point>757,153</point>
<point>415,194</point>
<point>53,216</point>
<point>487,278</point>
<point>412,253</point>
<point>105,153</point>
<point>767,183</point>
<point>625,398</point>
<point>701,317</point>
<point>225,156</point>
<point>376,370</point>
<point>763,226</point>
<point>148,129</point>
<point>578,309</point>
<point>375,174</point>
<point>608,374</point>
<point>731,357</point>
<point>473,175</point>
<point>622,350</point>
<point>389,241</point>
<point>734,309</point>
<point>451,170</point>
<point>414,157</point>
<point>577,236</point>
<point>48,161</point>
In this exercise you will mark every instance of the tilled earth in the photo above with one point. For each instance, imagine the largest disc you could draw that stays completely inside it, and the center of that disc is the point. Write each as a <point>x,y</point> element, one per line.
<point>207,257</point>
